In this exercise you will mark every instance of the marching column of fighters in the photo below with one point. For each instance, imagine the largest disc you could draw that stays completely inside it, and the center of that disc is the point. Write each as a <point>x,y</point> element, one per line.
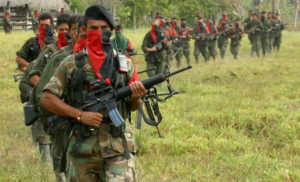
<point>168,40</point>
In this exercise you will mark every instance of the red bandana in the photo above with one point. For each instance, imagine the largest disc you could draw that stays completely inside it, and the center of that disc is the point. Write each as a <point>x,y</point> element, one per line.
<point>36,14</point>
<point>61,41</point>
<point>225,18</point>
<point>95,51</point>
<point>198,28</point>
<point>208,27</point>
<point>41,34</point>
<point>234,29</point>
<point>7,15</point>
<point>153,34</point>
<point>79,45</point>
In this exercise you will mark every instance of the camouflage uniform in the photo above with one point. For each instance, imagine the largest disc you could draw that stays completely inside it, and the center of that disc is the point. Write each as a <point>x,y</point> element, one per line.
<point>271,35</point>
<point>100,155</point>
<point>199,34</point>
<point>58,137</point>
<point>235,33</point>
<point>30,50</point>
<point>255,35</point>
<point>212,40</point>
<point>154,59</point>
<point>277,34</point>
<point>246,22</point>
<point>265,36</point>
<point>184,45</point>
<point>7,24</point>
<point>223,37</point>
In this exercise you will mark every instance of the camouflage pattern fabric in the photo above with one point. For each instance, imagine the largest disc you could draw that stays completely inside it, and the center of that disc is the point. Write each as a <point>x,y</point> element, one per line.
<point>278,34</point>
<point>30,50</point>
<point>265,36</point>
<point>100,155</point>
<point>156,59</point>
<point>255,35</point>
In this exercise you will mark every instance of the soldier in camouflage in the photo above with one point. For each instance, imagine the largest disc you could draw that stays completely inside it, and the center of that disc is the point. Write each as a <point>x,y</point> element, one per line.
<point>184,36</point>
<point>31,49</point>
<point>253,29</point>
<point>212,38</point>
<point>235,33</point>
<point>154,45</point>
<point>7,23</point>
<point>279,26</point>
<point>98,154</point>
<point>264,33</point>
<point>199,34</point>
<point>245,24</point>
<point>223,28</point>
<point>271,31</point>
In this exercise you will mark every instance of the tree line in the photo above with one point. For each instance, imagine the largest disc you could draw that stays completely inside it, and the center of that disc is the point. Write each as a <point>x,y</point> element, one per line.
<point>138,13</point>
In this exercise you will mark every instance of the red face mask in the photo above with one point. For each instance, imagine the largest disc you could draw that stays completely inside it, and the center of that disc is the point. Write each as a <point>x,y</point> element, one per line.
<point>95,50</point>
<point>7,15</point>
<point>79,45</point>
<point>41,34</point>
<point>153,33</point>
<point>36,14</point>
<point>62,41</point>
<point>225,17</point>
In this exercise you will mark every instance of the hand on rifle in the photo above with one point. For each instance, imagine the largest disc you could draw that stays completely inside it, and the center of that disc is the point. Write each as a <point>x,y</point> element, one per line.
<point>91,118</point>
<point>153,49</point>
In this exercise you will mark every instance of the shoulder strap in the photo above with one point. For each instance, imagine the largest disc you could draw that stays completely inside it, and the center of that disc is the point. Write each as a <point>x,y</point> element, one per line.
<point>53,47</point>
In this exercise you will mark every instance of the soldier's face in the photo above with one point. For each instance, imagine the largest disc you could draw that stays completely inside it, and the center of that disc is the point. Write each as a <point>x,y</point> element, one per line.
<point>45,22</point>
<point>73,32</point>
<point>96,24</point>
<point>64,27</point>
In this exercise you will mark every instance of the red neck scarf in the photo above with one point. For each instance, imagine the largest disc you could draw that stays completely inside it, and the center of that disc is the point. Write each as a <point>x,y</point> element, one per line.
<point>234,28</point>
<point>225,17</point>
<point>173,24</point>
<point>41,34</point>
<point>79,45</point>
<point>36,14</point>
<point>7,15</point>
<point>208,25</point>
<point>199,28</point>
<point>162,25</point>
<point>61,41</point>
<point>153,34</point>
<point>95,50</point>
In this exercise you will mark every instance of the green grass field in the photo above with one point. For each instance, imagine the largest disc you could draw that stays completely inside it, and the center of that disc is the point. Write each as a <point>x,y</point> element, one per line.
<point>234,121</point>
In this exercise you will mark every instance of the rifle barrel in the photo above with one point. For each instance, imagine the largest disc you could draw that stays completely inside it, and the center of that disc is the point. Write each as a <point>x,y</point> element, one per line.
<point>179,71</point>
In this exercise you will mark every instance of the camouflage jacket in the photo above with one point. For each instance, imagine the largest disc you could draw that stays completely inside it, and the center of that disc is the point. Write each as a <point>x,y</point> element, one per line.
<point>102,142</point>
<point>30,50</point>
<point>48,72</point>
<point>42,60</point>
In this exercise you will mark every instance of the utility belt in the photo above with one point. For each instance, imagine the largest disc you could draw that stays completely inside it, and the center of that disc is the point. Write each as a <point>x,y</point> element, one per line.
<point>84,131</point>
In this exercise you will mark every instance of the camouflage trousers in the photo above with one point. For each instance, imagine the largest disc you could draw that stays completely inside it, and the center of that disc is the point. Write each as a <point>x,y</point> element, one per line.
<point>114,169</point>
<point>264,43</point>
<point>168,57</point>
<point>201,47</point>
<point>59,143</point>
<point>256,44</point>
<point>277,42</point>
<point>159,67</point>
<point>39,133</point>
<point>271,42</point>
<point>222,45</point>
<point>100,156</point>
<point>212,49</point>
<point>234,48</point>
<point>183,51</point>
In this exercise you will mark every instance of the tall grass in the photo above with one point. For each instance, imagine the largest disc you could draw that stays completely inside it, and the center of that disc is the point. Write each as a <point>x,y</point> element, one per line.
<point>233,121</point>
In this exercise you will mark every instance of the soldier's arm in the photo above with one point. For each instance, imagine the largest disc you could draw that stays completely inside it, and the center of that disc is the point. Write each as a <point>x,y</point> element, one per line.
<point>39,66</point>
<point>51,101</point>
<point>22,54</point>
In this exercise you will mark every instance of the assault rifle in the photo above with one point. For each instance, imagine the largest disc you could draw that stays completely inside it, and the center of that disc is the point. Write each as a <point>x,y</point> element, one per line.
<point>149,111</point>
<point>201,36</point>
<point>104,97</point>
<point>17,77</point>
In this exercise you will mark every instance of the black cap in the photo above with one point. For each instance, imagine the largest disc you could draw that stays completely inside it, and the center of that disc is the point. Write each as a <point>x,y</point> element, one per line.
<point>254,14</point>
<point>263,12</point>
<point>237,19</point>
<point>277,14</point>
<point>98,12</point>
